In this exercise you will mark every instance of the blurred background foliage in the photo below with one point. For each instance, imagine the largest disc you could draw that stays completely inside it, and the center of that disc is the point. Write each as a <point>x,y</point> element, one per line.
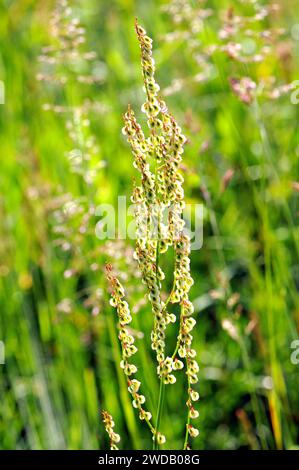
<point>241,162</point>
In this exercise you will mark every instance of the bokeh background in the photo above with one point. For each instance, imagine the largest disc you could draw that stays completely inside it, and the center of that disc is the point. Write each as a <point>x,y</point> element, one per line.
<point>241,162</point>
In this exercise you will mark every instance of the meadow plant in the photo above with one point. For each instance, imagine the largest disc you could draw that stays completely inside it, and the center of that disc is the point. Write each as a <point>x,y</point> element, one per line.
<point>245,37</point>
<point>252,58</point>
<point>109,424</point>
<point>66,64</point>
<point>62,351</point>
<point>158,158</point>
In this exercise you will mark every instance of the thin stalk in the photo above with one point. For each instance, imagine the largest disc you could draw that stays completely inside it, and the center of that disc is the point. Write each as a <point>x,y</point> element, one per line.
<point>159,412</point>
<point>162,385</point>
<point>188,421</point>
<point>179,337</point>
<point>125,401</point>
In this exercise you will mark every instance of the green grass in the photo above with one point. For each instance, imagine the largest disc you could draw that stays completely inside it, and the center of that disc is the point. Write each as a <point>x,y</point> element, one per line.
<point>62,369</point>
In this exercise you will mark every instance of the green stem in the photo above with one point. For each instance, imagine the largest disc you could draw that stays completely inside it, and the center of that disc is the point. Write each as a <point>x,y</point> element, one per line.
<point>159,412</point>
<point>188,417</point>
<point>179,335</point>
<point>187,433</point>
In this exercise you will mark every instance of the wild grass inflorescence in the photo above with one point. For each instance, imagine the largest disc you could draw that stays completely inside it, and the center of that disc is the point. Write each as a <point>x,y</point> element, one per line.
<point>66,65</point>
<point>109,426</point>
<point>159,196</point>
<point>246,38</point>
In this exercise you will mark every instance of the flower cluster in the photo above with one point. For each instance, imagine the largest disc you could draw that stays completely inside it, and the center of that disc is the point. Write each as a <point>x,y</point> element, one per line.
<point>245,36</point>
<point>160,196</point>
<point>66,58</point>
<point>127,344</point>
<point>183,282</point>
<point>244,89</point>
<point>160,192</point>
<point>183,279</point>
<point>189,22</point>
<point>66,62</point>
<point>109,426</point>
